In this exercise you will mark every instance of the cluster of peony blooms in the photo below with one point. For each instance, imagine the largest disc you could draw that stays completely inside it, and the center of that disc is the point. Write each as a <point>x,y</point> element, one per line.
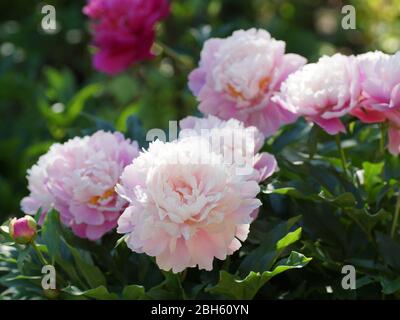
<point>248,76</point>
<point>189,202</point>
<point>124,31</point>
<point>365,86</point>
<point>192,200</point>
<point>185,202</point>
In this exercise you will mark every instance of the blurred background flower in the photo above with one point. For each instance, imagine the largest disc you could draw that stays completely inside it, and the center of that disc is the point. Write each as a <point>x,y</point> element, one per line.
<point>123,31</point>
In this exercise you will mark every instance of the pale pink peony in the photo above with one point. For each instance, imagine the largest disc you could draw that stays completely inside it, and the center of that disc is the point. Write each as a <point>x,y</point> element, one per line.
<point>77,178</point>
<point>323,92</point>
<point>237,76</point>
<point>186,207</point>
<point>238,144</point>
<point>124,31</point>
<point>380,74</point>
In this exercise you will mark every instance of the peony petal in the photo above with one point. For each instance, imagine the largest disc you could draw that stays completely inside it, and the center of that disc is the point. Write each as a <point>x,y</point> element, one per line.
<point>332,126</point>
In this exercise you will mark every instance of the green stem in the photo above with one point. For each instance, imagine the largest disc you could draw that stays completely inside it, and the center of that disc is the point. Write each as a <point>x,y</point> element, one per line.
<point>39,253</point>
<point>396,217</point>
<point>382,139</point>
<point>342,155</point>
<point>183,59</point>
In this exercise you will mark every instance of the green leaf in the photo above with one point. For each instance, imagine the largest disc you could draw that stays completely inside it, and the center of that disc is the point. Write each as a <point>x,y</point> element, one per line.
<point>367,220</point>
<point>372,172</point>
<point>390,286</point>
<point>134,292</point>
<point>170,288</point>
<point>120,241</point>
<point>22,257</point>
<point>51,233</point>
<point>389,250</point>
<point>372,179</point>
<point>292,192</point>
<point>37,215</point>
<point>121,123</point>
<point>99,293</point>
<point>263,257</point>
<point>57,249</point>
<point>92,274</point>
<point>289,239</point>
<point>4,232</point>
<point>78,101</point>
<point>236,288</point>
<point>344,200</point>
<point>73,109</point>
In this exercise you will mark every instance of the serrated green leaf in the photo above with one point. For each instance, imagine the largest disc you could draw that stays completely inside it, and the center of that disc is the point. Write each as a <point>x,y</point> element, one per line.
<point>263,257</point>
<point>233,287</point>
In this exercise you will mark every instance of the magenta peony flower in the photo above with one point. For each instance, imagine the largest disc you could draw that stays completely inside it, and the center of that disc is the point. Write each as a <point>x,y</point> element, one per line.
<point>323,92</point>
<point>186,207</point>
<point>237,76</point>
<point>77,178</point>
<point>23,230</point>
<point>380,101</point>
<point>123,31</point>
<point>238,144</point>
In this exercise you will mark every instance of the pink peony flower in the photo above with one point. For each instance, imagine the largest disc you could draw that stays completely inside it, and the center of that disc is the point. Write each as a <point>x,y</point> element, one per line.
<point>77,178</point>
<point>186,207</point>
<point>123,31</point>
<point>23,230</point>
<point>237,76</point>
<point>323,92</point>
<point>238,144</point>
<point>380,101</point>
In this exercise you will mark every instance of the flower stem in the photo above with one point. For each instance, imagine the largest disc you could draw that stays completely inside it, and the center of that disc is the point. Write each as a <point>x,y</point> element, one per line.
<point>342,155</point>
<point>183,59</point>
<point>382,139</point>
<point>396,217</point>
<point>39,253</point>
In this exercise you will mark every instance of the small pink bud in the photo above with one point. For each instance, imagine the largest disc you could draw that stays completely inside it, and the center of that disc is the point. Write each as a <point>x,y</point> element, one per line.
<point>23,230</point>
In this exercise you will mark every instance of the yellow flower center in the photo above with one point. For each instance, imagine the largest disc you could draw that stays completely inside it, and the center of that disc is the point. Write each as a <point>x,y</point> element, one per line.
<point>262,85</point>
<point>96,199</point>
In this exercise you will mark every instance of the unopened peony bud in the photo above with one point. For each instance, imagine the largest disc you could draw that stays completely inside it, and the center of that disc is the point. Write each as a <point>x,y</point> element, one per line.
<point>23,230</point>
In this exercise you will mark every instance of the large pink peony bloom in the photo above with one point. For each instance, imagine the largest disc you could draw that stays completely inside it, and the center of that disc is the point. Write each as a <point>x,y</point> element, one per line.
<point>323,92</point>
<point>124,31</point>
<point>237,76</point>
<point>186,207</point>
<point>77,178</point>
<point>380,102</point>
<point>238,144</point>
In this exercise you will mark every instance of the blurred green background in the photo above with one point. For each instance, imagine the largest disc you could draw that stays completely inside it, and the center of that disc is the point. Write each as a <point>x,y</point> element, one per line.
<point>49,91</point>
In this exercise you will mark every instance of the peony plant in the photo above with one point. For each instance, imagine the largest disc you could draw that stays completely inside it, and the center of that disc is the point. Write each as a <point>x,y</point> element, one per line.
<point>249,189</point>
